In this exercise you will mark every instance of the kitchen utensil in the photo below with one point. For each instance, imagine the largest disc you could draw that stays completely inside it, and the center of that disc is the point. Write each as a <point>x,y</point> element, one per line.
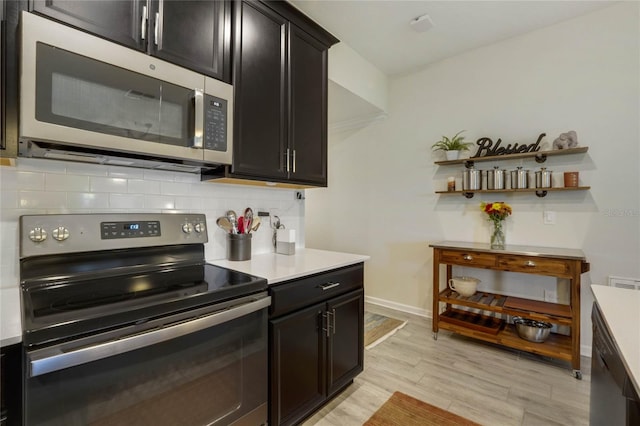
<point>248,219</point>
<point>533,331</point>
<point>543,178</point>
<point>519,178</point>
<point>275,222</point>
<point>233,219</point>
<point>496,178</point>
<point>224,224</point>
<point>255,224</point>
<point>464,286</point>
<point>241,225</point>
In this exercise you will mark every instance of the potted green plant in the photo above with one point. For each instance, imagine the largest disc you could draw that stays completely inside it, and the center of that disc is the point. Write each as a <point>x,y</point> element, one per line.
<point>452,146</point>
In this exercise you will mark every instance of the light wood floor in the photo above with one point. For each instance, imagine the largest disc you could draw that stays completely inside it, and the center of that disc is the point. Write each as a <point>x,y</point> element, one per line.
<point>485,383</point>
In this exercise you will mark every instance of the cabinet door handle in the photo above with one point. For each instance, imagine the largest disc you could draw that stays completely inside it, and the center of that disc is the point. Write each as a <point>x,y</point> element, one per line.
<point>467,257</point>
<point>333,319</point>
<point>325,328</point>
<point>530,264</point>
<point>155,30</point>
<point>288,162</point>
<point>328,286</point>
<point>143,24</point>
<point>294,161</point>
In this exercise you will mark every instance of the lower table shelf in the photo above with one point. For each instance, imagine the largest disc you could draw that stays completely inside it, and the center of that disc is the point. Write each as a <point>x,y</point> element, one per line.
<point>494,330</point>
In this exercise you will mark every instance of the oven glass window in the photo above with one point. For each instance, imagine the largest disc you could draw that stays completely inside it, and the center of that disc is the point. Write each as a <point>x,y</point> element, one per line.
<point>215,376</point>
<point>80,92</point>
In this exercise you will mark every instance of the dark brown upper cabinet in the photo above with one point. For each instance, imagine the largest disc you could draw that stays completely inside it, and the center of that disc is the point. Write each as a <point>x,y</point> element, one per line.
<point>192,34</point>
<point>280,83</point>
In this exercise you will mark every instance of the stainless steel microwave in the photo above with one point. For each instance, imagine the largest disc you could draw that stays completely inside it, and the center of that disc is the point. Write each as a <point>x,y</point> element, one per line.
<point>87,99</point>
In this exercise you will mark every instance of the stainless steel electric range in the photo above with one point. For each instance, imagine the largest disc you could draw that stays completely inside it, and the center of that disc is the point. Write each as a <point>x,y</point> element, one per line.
<point>125,323</point>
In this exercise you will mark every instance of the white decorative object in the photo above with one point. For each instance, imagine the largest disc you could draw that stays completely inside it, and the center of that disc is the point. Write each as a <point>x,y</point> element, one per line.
<point>286,241</point>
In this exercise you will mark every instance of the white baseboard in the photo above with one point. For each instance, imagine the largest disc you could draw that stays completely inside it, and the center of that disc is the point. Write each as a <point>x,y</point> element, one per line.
<point>584,349</point>
<point>398,306</point>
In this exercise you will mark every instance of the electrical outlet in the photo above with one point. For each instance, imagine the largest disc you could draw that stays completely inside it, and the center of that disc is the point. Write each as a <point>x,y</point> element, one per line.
<point>549,217</point>
<point>550,296</point>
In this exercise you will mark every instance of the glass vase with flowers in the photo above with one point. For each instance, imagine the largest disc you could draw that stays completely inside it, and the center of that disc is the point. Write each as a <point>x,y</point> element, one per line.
<point>497,212</point>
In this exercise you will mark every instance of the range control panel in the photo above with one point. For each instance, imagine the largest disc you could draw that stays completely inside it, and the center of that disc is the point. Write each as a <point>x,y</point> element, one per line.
<point>73,233</point>
<point>137,229</point>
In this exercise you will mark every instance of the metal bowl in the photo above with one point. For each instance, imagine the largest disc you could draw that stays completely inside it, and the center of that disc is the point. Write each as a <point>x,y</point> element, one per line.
<point>533,331</point>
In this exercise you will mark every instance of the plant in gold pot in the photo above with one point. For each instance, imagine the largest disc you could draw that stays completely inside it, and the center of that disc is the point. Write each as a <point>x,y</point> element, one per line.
<point>452,146</point>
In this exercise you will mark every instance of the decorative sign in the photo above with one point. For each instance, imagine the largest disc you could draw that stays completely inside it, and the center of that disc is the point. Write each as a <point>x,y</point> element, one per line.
<point>486,147</point>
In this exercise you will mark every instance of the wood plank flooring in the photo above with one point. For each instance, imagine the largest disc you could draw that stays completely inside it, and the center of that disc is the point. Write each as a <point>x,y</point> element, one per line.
<point>488,384</point>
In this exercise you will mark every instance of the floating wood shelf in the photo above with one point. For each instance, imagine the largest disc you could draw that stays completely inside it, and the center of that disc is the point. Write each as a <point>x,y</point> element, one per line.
<point>540,192</point>
<point>540,156</point>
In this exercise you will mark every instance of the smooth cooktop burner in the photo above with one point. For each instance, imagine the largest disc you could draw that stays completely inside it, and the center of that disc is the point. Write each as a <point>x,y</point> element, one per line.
<point>59,305</point>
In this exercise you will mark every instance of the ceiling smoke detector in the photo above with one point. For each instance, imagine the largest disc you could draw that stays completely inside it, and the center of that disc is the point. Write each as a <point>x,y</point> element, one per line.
<point>421,23</point>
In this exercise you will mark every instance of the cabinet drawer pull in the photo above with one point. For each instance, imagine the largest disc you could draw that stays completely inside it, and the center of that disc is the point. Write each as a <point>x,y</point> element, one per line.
<point>530,264</point>
<point>467,257</point>
<point>328,286</point>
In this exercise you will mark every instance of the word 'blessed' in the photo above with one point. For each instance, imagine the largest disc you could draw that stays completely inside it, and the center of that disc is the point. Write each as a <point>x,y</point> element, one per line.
<point>486,147</point>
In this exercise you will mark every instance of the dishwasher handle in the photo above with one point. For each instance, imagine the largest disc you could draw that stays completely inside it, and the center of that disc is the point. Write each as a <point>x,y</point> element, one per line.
<point>47,360</point>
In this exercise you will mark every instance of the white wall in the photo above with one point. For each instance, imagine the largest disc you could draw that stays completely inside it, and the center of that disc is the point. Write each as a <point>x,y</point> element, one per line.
<point>47,187</point>
<point>351,71</point>
<point>580,75</point>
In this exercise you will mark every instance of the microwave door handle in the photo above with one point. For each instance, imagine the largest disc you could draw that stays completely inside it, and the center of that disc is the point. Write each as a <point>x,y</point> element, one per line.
<point>198,122</point>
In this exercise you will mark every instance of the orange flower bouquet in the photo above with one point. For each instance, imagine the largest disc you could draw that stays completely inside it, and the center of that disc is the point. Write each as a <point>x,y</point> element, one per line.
<point>497,212</point>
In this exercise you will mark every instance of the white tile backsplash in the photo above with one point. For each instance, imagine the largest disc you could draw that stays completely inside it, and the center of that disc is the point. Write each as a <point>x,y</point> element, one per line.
<point>42,200</point>
<point>87,200</point>
<point>60,182</point>
<point>108,184</point>
<point>30,180</point>
<point>126,201</point>
<point>141,186</point>
<point>36,186</point>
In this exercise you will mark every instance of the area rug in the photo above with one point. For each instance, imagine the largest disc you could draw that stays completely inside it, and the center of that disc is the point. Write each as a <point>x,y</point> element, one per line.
<point>378,327</point>
<point>403,410</point>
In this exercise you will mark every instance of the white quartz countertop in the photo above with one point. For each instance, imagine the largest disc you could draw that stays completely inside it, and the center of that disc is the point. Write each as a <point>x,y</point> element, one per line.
<point>621,310</point>
<point>281,267</point>
<point>10,323</point>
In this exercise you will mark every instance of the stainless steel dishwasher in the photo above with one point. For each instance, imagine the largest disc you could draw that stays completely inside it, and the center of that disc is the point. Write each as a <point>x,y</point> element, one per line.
<point>614,400</point>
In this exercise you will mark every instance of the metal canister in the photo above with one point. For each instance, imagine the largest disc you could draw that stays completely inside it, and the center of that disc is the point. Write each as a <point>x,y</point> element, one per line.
<point>471,179</point>
<point>496,178</point>
<point>543,178</point>
<point>519,178</point>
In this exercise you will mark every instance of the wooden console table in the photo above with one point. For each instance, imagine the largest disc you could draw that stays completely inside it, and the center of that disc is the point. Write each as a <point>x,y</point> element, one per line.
<point>490,325</point>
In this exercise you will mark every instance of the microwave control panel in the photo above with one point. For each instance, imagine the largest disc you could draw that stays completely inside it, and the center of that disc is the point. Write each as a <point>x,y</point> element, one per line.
<point>215,123</point>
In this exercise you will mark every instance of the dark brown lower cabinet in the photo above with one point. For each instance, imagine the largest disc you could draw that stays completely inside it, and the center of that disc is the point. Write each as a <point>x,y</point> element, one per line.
<point>315,351</point>
<point>11,385</point>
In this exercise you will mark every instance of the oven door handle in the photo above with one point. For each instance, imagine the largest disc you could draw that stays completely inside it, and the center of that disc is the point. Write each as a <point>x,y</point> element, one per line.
<point>47,360</point>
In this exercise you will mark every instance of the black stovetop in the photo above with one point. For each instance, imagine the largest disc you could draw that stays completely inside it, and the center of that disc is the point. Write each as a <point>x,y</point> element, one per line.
<point>77,295</point>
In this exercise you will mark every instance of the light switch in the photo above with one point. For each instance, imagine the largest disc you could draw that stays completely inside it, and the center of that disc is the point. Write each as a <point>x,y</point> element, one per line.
<point>549,218</point>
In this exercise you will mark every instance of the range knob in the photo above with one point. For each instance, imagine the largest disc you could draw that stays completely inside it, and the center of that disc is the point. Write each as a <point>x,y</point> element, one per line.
<point>187,228</point>
<point>200,227</point>
<point>60,233</point>
<point>37,235</point>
